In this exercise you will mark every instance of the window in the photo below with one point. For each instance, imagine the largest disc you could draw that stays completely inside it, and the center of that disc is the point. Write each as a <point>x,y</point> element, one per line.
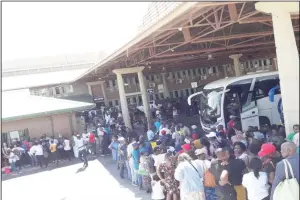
<point>162,95</point>
<point>147,78</point>
<point>57,91</point>
<point>178,75</point>
<point>156,96</point>
<point>113,83</point>
<point>51,92</point>
<point>20,135</point>
<point>199,71</point>
<point>192,91</point>
<point>125,80</point>
<point>264,84</point>
<point>214,70</point>
<point>116,102</point>
<point>194,72</point>
<point>63,91</point>
<point>140,100</point>
<point>171,95</point>
<point>242,88</point>
<point>176,94</point>
<point>173,75</point>
<point>136,80</point>
<point>107,84</point>
<point>183,73</point>
<point>128,100</point>
<point>204,71</point>
<point>188,72</point>
<point>110,104</point>
<point>134,100</point>
<point>181,93</point>
<point>187,92</point>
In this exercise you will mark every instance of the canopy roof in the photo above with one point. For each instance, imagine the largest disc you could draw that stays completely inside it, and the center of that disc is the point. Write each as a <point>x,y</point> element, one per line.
<point>41,79</point>
<point>196,34</point>
<point>16,106</point>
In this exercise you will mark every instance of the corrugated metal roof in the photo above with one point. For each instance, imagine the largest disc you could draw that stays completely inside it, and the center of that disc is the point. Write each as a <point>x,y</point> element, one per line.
<point>16,106</point>
<point>37,80</point>
<point>52,61</point>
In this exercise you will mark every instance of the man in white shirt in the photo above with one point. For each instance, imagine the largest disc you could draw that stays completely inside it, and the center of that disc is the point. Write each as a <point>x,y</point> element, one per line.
<point>37,150</point>
<point>81,143</point>
<point>131,161</point>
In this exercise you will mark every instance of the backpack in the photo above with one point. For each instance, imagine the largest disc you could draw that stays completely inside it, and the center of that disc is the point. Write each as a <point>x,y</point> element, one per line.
<point>288,188</point>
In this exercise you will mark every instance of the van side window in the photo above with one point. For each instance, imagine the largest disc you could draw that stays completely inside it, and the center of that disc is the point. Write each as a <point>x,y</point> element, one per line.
<point>263,85</point>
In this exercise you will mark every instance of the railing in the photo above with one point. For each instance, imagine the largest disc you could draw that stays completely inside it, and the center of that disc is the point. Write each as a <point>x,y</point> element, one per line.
<point>157,11</point>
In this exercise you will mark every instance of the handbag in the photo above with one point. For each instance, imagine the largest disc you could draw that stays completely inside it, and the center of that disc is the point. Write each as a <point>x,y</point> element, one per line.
<point>288,188</point>
<point>208,178</point>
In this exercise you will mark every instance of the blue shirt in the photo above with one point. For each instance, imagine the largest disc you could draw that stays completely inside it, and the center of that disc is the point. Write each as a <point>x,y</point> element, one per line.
<point>136,158</point>
<point>157,125</point>
<point>150,135</point>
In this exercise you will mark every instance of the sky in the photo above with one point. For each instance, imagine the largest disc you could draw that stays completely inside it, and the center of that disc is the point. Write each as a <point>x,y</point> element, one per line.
<point>38,29</point>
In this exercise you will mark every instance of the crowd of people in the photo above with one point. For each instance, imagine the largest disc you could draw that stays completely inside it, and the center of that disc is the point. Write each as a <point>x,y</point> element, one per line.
<point>38,152</point>
<point>172,160</point>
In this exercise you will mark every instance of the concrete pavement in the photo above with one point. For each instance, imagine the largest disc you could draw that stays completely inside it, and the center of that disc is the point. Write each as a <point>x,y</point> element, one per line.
<point>99,181</point>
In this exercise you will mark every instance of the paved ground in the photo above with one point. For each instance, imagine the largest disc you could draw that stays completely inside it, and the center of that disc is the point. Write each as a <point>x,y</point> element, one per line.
<point>99,181</point>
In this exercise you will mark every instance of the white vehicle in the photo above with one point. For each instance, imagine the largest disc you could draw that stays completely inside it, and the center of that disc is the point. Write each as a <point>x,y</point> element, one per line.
<point>245,97</point>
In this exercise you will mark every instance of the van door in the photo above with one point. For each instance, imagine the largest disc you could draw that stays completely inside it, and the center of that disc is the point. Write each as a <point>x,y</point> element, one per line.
<point>250,118</point>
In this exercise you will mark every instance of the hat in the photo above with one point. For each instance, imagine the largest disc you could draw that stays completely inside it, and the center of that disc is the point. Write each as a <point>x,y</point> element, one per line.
<point>258,136</point>
<point>78,135</point>
<point>201,151</point>
<point>186,147</point>
<point>194,136</point>
<point>266,149</point>
<point>194,127</point>
<point>197,144</point>
<point>171,149</point>
<point>163,132</point>
<point>121,138</point>
<point>211,135</point>
<point>232,116</point>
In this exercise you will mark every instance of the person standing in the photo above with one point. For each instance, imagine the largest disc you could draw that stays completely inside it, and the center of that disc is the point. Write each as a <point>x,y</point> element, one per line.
<point>82,152</point>
<point>190,175</point>
<point>288,152</point>
<point>53,151</point>
<point>92,142</point>
<point>168,169</point>
<point>122,152</point>
<point>75,147</point>
<point>39,153</point>
<point>256,181</point>
<point>67,149</point>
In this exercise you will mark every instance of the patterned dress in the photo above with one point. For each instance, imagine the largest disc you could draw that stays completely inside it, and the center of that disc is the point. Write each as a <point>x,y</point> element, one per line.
<point>146,163</point>
<point>171,184</point>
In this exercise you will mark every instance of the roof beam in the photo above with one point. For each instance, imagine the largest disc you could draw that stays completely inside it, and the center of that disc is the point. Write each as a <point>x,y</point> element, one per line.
<point>262,19</point>
<point>233,12</point>
<point>186,34</point>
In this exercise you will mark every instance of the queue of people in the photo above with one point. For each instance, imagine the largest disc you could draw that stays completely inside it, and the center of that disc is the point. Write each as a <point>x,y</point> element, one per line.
<point>174,161</point>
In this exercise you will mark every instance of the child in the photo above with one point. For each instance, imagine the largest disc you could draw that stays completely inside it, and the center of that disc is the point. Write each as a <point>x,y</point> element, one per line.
<point>157,189</point>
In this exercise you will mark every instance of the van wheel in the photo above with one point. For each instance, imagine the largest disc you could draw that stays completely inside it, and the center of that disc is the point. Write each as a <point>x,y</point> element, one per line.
<point>264,121</point>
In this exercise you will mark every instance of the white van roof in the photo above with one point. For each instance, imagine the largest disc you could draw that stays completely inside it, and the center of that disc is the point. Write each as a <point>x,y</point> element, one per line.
<point>228,80</point>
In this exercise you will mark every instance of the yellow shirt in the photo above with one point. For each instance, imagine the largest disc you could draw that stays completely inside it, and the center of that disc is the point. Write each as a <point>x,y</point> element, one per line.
<point>53,148</point>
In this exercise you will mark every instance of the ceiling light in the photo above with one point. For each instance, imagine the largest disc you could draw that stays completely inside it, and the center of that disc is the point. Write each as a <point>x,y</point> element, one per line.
<point>180,28</point>
<point>149,67</point>
<point>126,84</point>
<point>172,50</point>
